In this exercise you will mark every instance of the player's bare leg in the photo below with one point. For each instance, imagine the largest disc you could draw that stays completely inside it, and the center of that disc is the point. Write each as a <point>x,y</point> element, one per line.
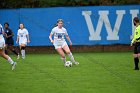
<point>2,53</point>
<point>11,47</point>
<point>62,54</point>
<point>68,52</point>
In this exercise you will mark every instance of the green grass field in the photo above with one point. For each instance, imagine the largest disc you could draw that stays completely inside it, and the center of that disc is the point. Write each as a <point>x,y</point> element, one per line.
<point>45,73</point>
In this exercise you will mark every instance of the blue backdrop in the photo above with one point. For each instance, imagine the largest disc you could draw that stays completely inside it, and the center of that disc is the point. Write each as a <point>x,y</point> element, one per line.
<point>40,21</point>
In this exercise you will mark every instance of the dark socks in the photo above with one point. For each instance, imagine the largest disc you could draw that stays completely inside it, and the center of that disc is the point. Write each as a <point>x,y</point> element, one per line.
<point>136,61</point>
<point>14,52</point>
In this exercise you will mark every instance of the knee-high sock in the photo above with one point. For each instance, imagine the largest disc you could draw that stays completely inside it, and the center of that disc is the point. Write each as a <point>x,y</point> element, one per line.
<point>23,53</point>
<point>64,60</point>
<point>136,61</point>
<point>71,57</point>
<point>14,51</point>
<point>10,60</point>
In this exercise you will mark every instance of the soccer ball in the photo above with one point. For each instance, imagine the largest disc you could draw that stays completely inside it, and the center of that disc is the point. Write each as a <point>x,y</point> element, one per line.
<point>68,64</point>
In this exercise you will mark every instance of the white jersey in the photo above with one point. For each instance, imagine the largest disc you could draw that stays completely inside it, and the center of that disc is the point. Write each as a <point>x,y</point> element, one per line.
<point>22,34</point>
<point>59,35</point>
<point>1,35</point>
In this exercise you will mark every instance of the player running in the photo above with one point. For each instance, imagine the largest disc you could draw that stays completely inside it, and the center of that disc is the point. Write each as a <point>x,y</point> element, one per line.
<point>59,42</point>
<point>9,41</point>
<point>23,39</point>
<point>136,42</point>
<point>2,52</point>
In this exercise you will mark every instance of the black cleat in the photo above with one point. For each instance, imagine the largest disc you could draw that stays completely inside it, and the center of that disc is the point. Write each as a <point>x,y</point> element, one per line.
<point>136,68</point>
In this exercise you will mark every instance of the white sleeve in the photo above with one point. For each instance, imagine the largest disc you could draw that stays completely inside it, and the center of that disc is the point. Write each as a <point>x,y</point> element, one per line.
<point>27,33</point>
<point>66,32</point>
<point>53,31</point>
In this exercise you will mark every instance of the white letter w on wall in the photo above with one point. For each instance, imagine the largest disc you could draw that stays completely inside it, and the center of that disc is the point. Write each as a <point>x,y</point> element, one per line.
<point>103,18</point>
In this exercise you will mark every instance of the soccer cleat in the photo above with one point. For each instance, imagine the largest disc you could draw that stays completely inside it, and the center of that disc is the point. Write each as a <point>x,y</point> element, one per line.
<point>23,57</point>
<point>136,68</point>
<point>18,57</point>
<point>14,65</point>
<point>76,63</point>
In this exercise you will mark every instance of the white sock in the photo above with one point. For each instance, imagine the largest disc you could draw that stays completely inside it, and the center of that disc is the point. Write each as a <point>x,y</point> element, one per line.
<point>64,60</point>
<point>23,53</point>
<point>10,60</point>
<point>71,57</point>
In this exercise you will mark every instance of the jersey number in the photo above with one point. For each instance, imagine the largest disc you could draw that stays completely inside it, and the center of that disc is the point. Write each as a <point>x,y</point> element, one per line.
<point>59,36</point>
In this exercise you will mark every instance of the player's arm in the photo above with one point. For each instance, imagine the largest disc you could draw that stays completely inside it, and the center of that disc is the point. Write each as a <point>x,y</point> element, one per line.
<point>68,38</point>
<point>12,34</point>
<point>4,34</point>
<point>136,38</point>
<point>28,38</point>
<point>17,39</point>
<point>50,37</point>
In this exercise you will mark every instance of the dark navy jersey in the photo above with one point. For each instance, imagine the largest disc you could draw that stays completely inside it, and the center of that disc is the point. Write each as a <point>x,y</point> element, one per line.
<point>8,32</point>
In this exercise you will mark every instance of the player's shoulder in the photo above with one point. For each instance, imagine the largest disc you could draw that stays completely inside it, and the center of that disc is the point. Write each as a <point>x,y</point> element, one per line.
<point>64,29</point>
<point>19,30</point>
<point>25,29</point>
<point>55,28</point>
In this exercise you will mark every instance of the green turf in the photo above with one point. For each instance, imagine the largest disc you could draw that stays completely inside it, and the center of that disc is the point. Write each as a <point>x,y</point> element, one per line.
<point>45,73</point>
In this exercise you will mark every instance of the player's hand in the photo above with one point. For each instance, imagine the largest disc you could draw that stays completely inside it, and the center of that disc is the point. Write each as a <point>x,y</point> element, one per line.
<point>52,41</point>
<point>5,35</point>
<point>28,41</point>
<point>134,43</point>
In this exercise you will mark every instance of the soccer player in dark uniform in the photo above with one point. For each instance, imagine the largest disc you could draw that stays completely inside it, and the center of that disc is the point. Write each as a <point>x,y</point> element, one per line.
<point>9,41</point>
<point>136,42</point>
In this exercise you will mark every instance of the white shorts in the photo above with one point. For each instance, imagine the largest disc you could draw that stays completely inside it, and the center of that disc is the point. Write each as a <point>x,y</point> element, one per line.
<point>2,45</point>
<point>60,46</point>
<point>23,42</point>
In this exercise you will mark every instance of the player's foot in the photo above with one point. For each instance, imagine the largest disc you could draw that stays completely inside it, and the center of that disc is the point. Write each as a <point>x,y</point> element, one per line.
<point>14,65</point>
<point>76,63</point>
<point>136,68</point>
<point>23,57</point>
<point>18,57</point>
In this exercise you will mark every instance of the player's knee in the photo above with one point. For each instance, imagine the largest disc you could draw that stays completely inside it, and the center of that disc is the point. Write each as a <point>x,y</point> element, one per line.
<point>138,55</point>
<point>135,55</point>
<point>68,52</point>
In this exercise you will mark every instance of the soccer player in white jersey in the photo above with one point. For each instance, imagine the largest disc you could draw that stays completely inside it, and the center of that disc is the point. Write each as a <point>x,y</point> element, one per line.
<point>59,42</point>
<point>2,52</point>
<point>22,39</point>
